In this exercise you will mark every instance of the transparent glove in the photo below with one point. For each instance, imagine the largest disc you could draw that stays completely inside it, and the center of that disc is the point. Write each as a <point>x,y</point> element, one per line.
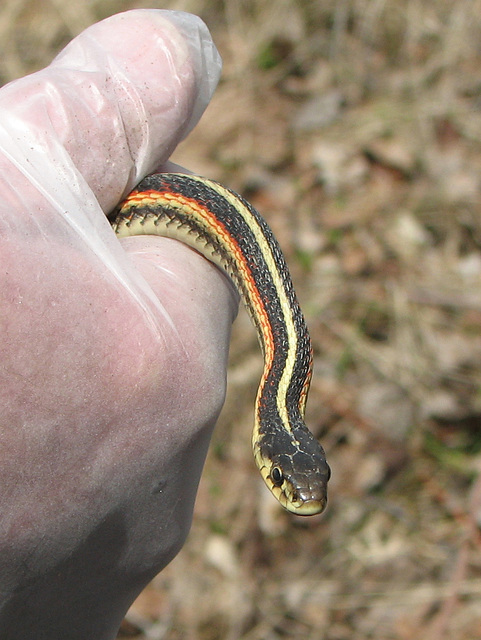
<point>112,354</point>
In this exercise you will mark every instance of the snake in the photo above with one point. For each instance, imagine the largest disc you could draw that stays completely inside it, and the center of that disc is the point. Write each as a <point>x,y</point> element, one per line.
<point>228,231</point>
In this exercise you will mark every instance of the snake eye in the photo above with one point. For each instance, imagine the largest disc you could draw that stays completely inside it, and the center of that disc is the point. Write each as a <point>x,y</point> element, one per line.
<point>277,477</point>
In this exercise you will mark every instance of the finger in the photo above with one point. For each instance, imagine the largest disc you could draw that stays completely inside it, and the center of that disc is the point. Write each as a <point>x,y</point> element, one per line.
<point>110,107</point>
<point>113,105</point>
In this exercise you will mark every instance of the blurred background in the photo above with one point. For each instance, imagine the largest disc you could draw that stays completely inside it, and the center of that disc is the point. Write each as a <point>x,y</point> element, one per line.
<point>354,126</point>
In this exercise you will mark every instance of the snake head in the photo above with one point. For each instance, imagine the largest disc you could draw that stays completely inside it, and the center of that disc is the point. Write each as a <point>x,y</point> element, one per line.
<point>295,470</point>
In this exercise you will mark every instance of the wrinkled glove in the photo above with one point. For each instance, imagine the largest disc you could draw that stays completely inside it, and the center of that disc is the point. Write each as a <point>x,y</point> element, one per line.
<point>113,354</point>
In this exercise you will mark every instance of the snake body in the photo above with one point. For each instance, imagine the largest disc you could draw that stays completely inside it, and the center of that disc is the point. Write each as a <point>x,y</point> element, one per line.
<point>229,232</point>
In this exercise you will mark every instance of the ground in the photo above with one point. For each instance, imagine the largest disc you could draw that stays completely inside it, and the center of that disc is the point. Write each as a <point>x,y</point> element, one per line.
<point>354,126</point>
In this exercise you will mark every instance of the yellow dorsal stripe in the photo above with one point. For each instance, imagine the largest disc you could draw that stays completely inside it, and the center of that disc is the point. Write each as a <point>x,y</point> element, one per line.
<point>243,210</point>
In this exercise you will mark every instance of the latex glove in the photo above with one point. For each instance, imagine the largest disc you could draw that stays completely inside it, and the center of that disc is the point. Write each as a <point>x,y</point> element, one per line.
<point>112,356</point>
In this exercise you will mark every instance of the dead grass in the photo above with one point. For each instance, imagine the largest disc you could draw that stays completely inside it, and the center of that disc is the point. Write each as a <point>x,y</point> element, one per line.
<point>355,127</point>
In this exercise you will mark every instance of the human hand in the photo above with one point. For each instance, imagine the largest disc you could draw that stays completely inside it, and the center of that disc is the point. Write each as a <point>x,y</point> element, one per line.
<point>113,356</point>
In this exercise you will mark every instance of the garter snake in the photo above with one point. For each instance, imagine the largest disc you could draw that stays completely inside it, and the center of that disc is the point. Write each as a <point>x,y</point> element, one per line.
<point>229,232</point>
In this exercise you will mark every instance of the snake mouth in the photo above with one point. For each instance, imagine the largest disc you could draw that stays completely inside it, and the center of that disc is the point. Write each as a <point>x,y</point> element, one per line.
<point>307,502</point>
<point>309,507</point>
